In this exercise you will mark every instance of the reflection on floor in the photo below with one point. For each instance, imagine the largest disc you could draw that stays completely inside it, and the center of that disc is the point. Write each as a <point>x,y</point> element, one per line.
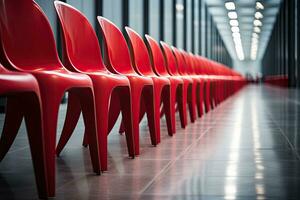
<point>247,148</point>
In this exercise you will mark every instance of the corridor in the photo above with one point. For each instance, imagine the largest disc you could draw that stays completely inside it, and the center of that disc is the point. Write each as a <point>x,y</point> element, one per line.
<point>246,148</point>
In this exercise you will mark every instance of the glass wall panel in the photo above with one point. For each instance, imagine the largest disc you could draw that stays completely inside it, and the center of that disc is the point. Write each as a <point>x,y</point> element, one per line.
<point>196,27</point>
<point>87,7</point>
<point>48,8</point>
<point>112,9</point>
<point>154,18</point>
<point>168,21</point>
<point>136,15</point>
<point>179,22</point>
<point>189,25</point>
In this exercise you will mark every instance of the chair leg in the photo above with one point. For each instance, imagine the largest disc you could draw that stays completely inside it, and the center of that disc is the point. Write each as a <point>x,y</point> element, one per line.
<point>127,119</point>
<point>102,113</point>
<point>32,114</point>
<point>173,91</point>
<point>136,94</point>
<point>181,106</point>
<point>207,96</point>
<point>89,116</point>
<point>157,102</point>
<point>72,117</point>
<point>166,98</point>
<point>50,106</point>
<point>191,101</point>
<point>114,108</point>
<point>199,96</point>
<point>149,100</point>
<point>12,123</point>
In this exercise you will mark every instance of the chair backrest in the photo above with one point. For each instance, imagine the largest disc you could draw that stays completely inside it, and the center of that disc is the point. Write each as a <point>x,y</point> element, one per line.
<point>139,53</point>
<point>27,40</point>
<point>181,63</point>
<point>117,57</point>
<point>156,57</point>
<point>190,62</point>
<point>81,50</point>
<point>170,59</point>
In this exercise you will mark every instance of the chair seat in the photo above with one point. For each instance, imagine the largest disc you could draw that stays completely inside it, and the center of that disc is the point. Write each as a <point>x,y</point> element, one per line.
<point>63,78</point>
<point>13,82</point>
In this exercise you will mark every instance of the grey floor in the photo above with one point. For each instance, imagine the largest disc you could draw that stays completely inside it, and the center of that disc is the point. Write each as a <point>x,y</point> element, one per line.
<point>247,148</point>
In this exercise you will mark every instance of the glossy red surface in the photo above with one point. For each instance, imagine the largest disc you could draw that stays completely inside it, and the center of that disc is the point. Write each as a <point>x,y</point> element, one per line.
<point>82,54</point>
<point>141,61</point>
<point>23,100</point>
<point>142,90</point>
<point>28,44</point>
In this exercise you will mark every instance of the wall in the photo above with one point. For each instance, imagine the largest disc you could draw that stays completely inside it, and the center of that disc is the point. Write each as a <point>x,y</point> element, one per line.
<point>248,67</point>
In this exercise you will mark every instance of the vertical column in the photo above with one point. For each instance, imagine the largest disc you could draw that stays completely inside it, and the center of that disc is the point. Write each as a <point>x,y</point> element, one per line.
<point>174,23</point>
<point>200,26</point>
<point>162,19</point>
<point>184,25</point>
<point>193,26</point>
<point>125,13</point>
<point>146,17</point>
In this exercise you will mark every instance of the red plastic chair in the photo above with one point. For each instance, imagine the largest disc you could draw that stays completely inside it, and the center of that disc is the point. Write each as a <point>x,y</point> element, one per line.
<point>191,88</point>
<point>28,45</point>
<point>204,71</point>
<point>23,100</point>
<point>176,83</point>
<point>118,61</point>
<point>82,54</point>
<point>189,62</point>
<point>172,66</point>
<point>141,63</point>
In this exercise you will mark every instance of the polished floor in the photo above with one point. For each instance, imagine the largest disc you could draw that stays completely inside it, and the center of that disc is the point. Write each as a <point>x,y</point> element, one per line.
<point>246,148</point>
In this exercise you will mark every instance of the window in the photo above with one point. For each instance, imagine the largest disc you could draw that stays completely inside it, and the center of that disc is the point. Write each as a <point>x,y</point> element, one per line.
<point>112,10</point>
<point>179,22</point>
<point>189,25</point>
<point>197,27</point>
<point>87,7</point>
<point>154,19</point>
<point>136,15</point>
<point>168,21</point>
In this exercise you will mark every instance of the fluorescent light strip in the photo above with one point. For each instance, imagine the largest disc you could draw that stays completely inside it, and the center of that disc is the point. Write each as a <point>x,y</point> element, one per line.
<point>230,5</point>
<point>259,6</point>
<point>234,22</point>
<point>232,15</point>
<point>258,15</point>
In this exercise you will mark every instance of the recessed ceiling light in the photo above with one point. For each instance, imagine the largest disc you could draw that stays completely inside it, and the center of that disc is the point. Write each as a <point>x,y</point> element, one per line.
<point>257,22</point>
<point>258,15</point>
<point>179,7</point>
<point>256,29</point>
<point>230,5</point>
<point>235,29</point>
<point>232,15</point>
<point>259,6</point>
<point>234,22</point>
<point>254,40</point>
<point>236,35</point>
<point>255,35</point>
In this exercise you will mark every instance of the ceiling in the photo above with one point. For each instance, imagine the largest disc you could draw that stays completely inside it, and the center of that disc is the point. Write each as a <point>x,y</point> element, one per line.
<point>245,10</point>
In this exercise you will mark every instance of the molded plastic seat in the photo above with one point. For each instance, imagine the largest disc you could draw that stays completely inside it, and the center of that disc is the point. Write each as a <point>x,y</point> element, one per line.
<point>172,66</point>
<point>183,71</point>
<point>190,63</point>
<point>28,45</point>
<point>141,63</point>
<point>158,64</point>
<point>142,91</point>
<point>82,54</point>
<point>23,100</point>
